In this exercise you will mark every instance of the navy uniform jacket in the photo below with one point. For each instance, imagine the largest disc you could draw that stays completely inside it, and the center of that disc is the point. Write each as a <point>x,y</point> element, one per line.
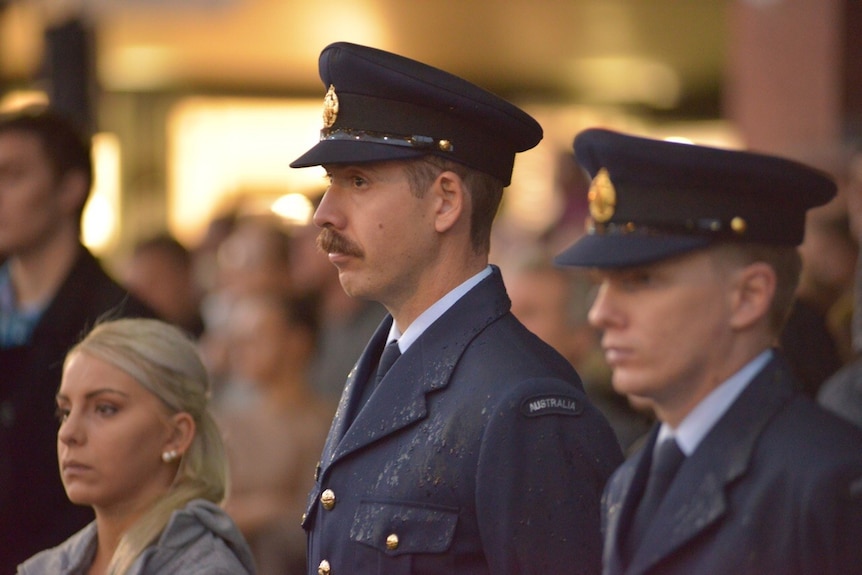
<point>34,511</point>
<point>774,488</point>
<point>478,453</point>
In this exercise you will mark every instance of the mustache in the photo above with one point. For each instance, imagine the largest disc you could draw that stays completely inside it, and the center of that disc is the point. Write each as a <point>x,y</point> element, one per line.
<point>330,241</point>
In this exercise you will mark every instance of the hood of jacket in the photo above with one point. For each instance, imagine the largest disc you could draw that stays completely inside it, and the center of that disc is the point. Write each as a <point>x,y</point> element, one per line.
<point>186,540</point>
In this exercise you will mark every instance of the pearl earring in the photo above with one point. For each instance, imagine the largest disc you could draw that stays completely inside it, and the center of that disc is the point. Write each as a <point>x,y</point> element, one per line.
<point>170,456</point>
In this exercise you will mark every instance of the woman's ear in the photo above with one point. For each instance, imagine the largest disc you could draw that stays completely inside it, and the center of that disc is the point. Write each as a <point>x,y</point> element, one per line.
<point>754,292</point>
<point>451,200</point>
<point>183,432</point>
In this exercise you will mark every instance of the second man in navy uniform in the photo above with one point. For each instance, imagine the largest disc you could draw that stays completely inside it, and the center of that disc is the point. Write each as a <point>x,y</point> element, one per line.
<point>478,451</point>
<point>695,252</point>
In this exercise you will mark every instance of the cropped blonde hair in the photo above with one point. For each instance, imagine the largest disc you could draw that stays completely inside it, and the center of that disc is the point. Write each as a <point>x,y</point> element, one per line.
<point>165,362</point>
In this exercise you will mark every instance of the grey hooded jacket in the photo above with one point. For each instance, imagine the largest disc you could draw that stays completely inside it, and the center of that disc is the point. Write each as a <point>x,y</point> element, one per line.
<point>199,539</point>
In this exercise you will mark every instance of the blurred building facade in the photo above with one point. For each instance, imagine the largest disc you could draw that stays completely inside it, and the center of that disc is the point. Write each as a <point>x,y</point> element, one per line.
<point>201,104</point>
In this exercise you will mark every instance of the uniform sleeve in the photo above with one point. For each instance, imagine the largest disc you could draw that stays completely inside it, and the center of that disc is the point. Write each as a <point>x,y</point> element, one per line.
<point>544,460</point>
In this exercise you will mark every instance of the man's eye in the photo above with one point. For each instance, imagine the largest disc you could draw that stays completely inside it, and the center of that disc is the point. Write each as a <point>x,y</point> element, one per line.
<point>358,182</point>
<point>636,280</point>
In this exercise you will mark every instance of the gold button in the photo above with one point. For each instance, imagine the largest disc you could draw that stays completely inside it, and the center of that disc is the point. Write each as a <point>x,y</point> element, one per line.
<point>738,225</point>
<point>323,568</point>
<point>327,498</point>
<point>392,542</point>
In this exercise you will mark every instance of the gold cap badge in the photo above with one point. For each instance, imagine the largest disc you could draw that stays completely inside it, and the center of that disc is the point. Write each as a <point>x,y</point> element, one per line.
<point>330,107</point>
<point>602,197</point>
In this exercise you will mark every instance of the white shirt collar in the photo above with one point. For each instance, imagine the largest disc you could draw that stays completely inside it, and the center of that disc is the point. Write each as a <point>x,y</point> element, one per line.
<point>691,431</point>
<point>433,313</point>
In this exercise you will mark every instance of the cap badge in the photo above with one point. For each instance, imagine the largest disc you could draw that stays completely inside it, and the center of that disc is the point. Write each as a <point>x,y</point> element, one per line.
<point>330,107</point>
<point>602,197</point>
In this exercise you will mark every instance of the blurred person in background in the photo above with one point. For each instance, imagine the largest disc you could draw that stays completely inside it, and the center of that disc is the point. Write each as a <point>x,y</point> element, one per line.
<point>552,302</point>
<point>52,289</point>
<point>346,323</point>
<point>814,340</point>
<point>137,443</point>
<point>842,392</point>
<point>273,441</point>
<point>254,257</point>
<point>205,251</point>
<point>160,273</point>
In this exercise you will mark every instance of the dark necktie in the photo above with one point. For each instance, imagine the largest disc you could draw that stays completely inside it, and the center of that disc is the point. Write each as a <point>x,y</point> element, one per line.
<point>387,358</point>
<point>666,460</point>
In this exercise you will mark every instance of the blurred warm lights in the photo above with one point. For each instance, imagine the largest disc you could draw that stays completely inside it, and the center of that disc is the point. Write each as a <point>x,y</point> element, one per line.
<point>293,209</point>
<point>21,44</point>
<point>100,225</point>
<point>679,140</point>
<point>234,153</point>
<point>140,67</point>
<point>626,80</point>
<point>18,99</point>
<point>715,133</point>
<point>224,151</point>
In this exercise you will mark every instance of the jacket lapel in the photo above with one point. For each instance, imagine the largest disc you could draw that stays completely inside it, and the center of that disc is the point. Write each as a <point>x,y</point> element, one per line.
<point>630,481</point>
<point>426,366</point>
<point>353,389</point>
<point>698,496</point>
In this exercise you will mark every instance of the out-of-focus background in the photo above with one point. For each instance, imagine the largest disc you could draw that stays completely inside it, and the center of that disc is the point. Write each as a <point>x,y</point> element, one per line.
<point>197,106</point>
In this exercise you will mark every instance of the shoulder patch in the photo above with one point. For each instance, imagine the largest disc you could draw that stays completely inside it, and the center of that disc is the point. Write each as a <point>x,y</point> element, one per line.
<point>551,404</point>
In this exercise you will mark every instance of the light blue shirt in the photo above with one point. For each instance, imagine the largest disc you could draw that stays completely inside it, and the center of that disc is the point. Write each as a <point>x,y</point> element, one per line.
<point>691,431</point>
<point>433,313</point>
<point>16,322</point>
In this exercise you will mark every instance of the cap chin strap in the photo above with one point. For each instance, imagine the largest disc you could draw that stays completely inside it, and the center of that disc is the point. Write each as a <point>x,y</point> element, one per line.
<point>707,227</point>
<point>414,141</point>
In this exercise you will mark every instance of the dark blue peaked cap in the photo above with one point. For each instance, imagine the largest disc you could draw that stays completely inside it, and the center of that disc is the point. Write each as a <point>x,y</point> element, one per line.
<point>381,106</point>
<point>654,199</point>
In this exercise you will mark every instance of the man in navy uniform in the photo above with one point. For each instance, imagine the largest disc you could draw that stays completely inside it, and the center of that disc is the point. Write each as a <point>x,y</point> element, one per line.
<point>478,451</point>
<point>695,253</point>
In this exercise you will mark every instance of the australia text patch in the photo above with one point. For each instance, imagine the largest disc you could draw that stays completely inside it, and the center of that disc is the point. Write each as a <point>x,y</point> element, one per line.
<point>551,404</point>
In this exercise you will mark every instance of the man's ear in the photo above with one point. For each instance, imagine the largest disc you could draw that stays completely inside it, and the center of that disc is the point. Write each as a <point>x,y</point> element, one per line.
<point>74,190</point>
<point>451,200</point>
<point>753,295</point>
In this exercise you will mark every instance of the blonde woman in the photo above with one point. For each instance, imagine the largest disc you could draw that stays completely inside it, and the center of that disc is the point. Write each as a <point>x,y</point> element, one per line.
<point>136,442</point>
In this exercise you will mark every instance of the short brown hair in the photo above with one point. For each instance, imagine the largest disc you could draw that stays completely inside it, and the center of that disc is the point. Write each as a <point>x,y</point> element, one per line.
<point>485,190</point>
<point>66,147</point>
<point>785,262</point>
